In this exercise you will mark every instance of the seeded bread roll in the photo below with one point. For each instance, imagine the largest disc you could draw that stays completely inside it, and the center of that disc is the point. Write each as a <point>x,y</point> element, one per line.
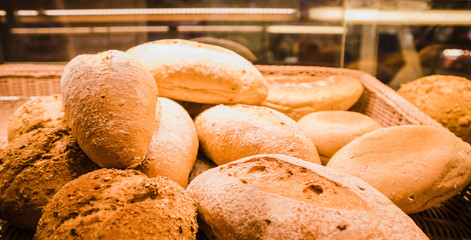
<point>415,166</point>
<point>172,152</point>
<point>34,167</point>
<point>299,95</point>
<point>280,197</point>
<point>331,130</point>
<point>231,132</point>
<point>109,103</point>
<point>446,99</point>
<point>44,111</point>
<point>203,73</point>
<point>119,204</point>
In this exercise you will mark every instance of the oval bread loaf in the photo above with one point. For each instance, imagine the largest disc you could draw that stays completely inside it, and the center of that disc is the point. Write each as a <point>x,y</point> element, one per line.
<point>119,204</point>
<point>197,72</point>
<point>172,152</point>
<point>109,103</point>
<point>280,197</point>
<point>331,130</point>
<point>231,132</point>
<point>415,166</point>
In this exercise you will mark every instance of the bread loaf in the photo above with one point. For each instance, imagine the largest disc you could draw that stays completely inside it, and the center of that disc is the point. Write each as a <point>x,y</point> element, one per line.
<point>415,166</point>
<point>280,197</point>
<point>331,130</point>
<point>40,112</point>
<point>172,152</point>
<point>109,103</point>
<point>447,99</point>
<point>119,204</point>
<point>34,167</point>
<point>301,94</point>
<point>203,73</point>
<point>231,132</point>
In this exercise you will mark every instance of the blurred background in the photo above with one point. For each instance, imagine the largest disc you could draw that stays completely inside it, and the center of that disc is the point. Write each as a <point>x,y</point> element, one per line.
<point>396,41</point>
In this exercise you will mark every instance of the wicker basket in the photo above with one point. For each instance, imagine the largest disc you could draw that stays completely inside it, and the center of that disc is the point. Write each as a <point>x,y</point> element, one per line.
<point>450,220</point>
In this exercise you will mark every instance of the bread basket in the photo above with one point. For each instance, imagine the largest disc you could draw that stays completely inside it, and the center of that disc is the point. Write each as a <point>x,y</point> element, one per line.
<point>450,220</point>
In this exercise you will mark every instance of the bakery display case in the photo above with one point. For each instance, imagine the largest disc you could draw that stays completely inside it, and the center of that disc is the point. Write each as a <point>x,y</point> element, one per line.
<point>381,43</point>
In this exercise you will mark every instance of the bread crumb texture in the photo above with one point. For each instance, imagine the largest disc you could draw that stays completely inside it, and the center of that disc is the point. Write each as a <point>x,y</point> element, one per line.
<point>119,204</point>
<point>34,167</point>
<point>272,196</point>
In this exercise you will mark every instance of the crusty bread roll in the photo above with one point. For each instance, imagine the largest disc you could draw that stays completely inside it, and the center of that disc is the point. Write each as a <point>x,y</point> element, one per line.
<point>119,204</point>
<point>331,130</point>
<point>197,72</point>
<point>280,197</point>
<point>228,44</point>
<point>416,166</point>
<point>446,99</point>
<point>231,132</point>
<point>301,94</point>
<point>40,112</point>
<point>34,167</point>
<point>109,103</point>
<point>172,152</point>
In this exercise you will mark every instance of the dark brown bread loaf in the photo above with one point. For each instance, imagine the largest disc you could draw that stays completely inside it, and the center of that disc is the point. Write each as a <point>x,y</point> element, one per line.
<point>119,204</point>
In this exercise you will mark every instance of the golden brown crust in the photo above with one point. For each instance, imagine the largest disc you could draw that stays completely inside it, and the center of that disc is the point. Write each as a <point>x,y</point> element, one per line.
<point>44,111</point>
<point>119,204</point>
<point>299,95</point>
<point>274,196</point>
<point>231,132</point>
<point>197,72</point>
<point>35,166</point>
<point>172,152</point>
<point>446,99</point>
<point>331,130</point>
<point>109,102</point>
<point>416,166</point>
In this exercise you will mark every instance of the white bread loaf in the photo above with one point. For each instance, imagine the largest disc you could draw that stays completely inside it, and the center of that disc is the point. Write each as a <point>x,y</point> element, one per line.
<point>109,103</point>
<point>174,146</point>
<point>231,132</point>
<point>415,166</point>
<point>331,130</point>
<point>302,94</point>
<point>197,72</point>
<point>279,197</point>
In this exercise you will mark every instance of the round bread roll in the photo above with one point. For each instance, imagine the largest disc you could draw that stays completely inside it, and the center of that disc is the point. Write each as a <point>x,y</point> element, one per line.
<point>197,72</point>
<point>34,167</point>
<point>231,132</point>
<point>40,112</point>
<point>119,204</point>
<point>299,95</point>
<point>172,152</point>
<point>274,196</point>
<point>331,130</point>
<point>109,103</point>
<point>446,99</point>
<point>415,166</point>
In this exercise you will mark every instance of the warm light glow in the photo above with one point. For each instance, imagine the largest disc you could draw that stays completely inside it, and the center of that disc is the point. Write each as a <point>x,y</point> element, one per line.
<point>3,13</point>
<point>87,30</point>
<point>292,29</point>
<point>391,17</point>
<point>219,28</point>
<point>453,52</point>
<point>152,11</point>
<point>27,13</point>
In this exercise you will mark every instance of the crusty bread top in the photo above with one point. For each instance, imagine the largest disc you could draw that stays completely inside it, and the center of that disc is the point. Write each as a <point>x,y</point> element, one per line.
<point>445,98</point>
<point>299,95</point>
<point>197,72</point>
<point>109,103</point>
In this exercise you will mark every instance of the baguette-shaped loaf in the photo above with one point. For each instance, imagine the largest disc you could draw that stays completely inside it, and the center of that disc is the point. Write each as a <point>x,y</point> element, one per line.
<point>109,103</point>
<point>280,197</point>
<point>197,72</point>
<point>231,132</point>
<point>172,152</point>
